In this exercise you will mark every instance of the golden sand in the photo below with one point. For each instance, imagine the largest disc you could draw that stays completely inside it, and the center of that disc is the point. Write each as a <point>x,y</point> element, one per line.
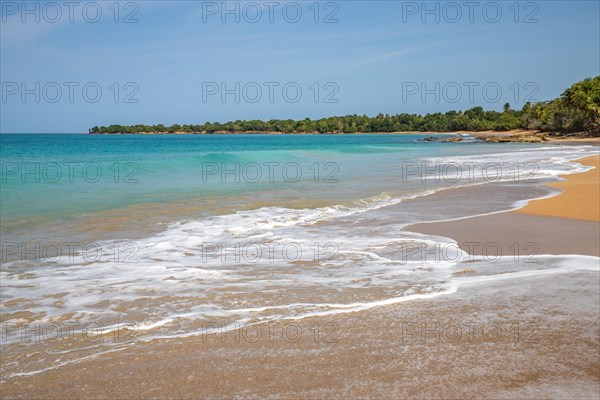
<point>580,198</point>
<point>513,338</point>
<point>574,213</point>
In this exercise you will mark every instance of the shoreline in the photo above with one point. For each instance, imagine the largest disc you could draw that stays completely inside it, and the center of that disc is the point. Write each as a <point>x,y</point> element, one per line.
<point>310,133</point>
<point>479,134</point>
<point>505,338</point>
<point>512,136</point>
<point>566,223</point>
<point>579,199</point>
<point>374,353</point>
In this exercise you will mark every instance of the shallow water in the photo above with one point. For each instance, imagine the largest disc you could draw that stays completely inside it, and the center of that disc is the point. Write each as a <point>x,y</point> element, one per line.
<point>179,232</point>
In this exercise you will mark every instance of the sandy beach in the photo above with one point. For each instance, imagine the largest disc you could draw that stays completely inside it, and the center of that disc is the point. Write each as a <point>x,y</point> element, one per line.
<point>580,198</point>
<point>513,338</point>
<point>564,224</point>
<point>506,338</point>
<point>305,200</point>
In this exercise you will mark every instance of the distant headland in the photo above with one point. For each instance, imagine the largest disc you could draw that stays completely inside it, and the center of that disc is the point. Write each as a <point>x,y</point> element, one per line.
<point>575,113</point>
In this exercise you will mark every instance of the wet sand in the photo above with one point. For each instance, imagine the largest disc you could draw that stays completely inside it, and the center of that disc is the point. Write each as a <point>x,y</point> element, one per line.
<point>530,234</point>
<point>564,224</point>
<point>525,338</point>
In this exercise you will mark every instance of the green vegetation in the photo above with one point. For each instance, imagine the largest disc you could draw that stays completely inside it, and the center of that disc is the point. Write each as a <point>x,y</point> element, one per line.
<point>576,110</point>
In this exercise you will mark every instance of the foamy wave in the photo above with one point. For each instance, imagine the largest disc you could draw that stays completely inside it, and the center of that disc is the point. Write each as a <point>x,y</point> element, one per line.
<point>176,283</point>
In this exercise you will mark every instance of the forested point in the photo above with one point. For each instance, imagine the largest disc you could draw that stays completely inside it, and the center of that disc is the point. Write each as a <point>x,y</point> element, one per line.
<point>577,110</point>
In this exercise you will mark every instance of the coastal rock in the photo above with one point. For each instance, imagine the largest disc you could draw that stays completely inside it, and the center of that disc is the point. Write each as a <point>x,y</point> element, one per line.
<point>453,139</point>
<point>535,138</point>
<point>447,140</point>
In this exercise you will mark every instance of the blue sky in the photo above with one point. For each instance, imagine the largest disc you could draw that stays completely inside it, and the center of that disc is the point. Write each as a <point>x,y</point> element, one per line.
<point>377,57</point>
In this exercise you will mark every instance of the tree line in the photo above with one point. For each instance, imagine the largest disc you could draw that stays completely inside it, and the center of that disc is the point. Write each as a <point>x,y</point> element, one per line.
<point>576,110</point>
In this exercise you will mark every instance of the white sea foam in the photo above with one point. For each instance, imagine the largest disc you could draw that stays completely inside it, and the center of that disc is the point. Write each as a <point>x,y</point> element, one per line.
<point>176,281</point>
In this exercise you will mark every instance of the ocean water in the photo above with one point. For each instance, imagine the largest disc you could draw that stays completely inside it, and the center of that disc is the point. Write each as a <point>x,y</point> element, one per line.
<point>168,235</point>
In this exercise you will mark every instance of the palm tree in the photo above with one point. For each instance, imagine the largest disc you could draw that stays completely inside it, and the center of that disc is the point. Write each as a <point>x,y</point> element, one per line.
<point>584,97</point>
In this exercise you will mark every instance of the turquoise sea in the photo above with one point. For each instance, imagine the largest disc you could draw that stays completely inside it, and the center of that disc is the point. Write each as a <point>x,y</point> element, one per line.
<point>166,233</point>
<point>57,177</point>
